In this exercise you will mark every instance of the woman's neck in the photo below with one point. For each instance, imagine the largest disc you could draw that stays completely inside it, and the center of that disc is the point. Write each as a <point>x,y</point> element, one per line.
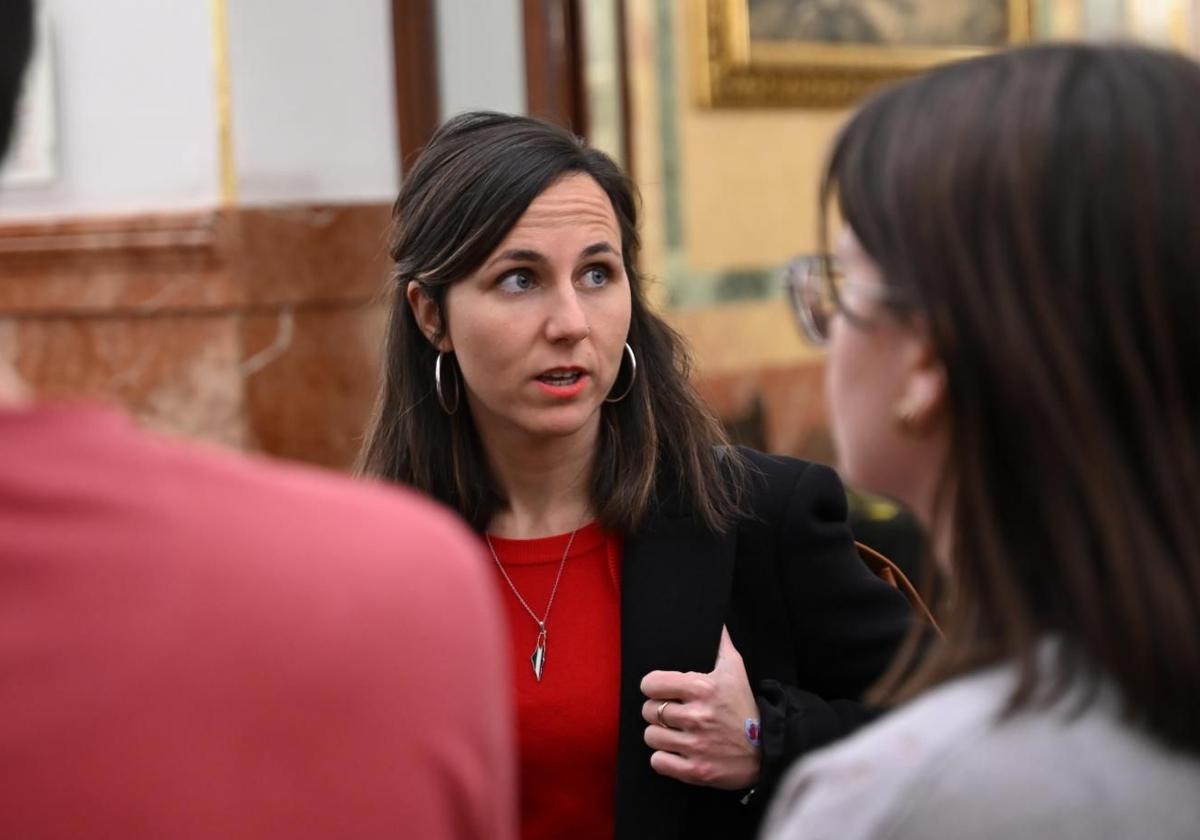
<point>547,483</point>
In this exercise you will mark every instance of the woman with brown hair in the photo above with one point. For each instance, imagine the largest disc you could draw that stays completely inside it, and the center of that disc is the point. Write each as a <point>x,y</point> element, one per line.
<point>1014,353</point>
<point>677,608</point>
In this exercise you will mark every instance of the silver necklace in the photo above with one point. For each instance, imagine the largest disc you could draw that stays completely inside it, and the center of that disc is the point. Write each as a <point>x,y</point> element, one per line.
<point>538,659</point>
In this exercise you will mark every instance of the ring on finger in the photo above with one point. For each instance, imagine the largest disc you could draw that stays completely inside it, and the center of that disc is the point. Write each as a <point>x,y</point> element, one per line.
<point>662,722</point>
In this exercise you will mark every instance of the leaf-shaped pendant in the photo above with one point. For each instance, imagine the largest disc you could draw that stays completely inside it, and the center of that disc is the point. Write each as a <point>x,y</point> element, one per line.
<point>538,659</point>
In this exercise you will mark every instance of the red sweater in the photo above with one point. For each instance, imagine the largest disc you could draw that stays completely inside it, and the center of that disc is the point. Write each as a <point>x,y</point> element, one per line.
<point>567,723</point>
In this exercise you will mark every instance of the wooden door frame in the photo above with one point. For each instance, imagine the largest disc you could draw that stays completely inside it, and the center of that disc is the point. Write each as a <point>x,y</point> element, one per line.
<point>554,73</point>
<point>415,58</point>
<point>554,81</point>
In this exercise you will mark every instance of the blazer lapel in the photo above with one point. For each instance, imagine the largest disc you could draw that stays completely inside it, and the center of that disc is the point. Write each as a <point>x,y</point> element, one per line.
<point>675,583</point>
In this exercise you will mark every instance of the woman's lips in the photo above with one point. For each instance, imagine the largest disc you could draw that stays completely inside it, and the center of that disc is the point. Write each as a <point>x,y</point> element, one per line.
<point>563,383</point>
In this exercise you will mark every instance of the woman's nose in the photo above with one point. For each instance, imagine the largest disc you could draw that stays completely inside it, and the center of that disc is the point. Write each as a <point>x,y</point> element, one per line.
<point>567,320</point>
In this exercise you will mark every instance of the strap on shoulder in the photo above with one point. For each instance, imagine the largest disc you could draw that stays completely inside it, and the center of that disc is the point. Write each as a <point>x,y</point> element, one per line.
<point>888,571</point>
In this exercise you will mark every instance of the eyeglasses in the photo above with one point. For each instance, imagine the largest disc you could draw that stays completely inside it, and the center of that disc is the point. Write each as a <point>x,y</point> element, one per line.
<point>815,284</point>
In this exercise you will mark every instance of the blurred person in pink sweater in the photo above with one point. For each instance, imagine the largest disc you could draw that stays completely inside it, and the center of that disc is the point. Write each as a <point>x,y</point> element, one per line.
<point>195,644</point>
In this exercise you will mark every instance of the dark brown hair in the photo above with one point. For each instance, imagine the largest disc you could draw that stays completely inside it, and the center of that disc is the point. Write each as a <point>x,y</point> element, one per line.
<point>1040,208</point>
<point>467,190</point>
<point>16,41</point>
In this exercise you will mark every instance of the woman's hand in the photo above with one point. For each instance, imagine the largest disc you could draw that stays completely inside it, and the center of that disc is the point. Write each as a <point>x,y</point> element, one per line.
<point>700,735</point>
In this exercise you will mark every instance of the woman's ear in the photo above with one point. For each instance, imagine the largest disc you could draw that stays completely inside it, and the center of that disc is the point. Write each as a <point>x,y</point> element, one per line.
<point>425,311</point>
<point>923,400</point>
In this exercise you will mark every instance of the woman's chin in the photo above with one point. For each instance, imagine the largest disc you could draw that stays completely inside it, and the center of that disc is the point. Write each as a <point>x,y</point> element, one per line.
<point>561,422</point>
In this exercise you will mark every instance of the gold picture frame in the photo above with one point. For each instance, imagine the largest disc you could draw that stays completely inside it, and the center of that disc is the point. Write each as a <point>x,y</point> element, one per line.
<point>732,69</point>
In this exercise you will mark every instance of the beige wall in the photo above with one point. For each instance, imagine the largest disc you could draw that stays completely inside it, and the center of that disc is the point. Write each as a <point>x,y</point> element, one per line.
<point>748,186</point>
<point>750,181</point>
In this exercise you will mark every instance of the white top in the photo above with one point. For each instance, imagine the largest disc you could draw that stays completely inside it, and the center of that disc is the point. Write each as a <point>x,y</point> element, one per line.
<point>944,767</point>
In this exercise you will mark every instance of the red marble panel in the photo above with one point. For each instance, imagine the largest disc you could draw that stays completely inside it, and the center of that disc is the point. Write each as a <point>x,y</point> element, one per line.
<point>254,327</point>
<point>307,254</point>
<point>310,380</point>
<point>175,374</point>
<point>127,265</point>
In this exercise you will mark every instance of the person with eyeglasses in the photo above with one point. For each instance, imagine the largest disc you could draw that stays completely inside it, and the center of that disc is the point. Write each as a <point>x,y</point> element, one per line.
<point>1010,314</point>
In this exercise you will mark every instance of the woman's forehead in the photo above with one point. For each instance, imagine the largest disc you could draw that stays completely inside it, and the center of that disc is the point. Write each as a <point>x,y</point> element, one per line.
<point>575,199</point>
<point>573,207</point>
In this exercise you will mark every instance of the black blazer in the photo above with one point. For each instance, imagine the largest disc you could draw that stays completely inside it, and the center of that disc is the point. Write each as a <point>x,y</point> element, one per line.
<point>809,619</point>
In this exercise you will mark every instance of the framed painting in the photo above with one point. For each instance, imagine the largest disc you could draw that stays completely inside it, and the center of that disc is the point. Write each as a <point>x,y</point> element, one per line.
<point>829,53</point>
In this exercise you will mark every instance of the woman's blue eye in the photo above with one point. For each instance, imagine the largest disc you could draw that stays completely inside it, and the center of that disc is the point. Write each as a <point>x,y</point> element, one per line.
<point>516,282</point>
<point>596,276</point>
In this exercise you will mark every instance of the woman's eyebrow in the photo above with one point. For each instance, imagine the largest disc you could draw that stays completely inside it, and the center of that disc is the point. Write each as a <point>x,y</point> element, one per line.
<point>518,255</point>
<point>528,255</point>
<point>596,248</point>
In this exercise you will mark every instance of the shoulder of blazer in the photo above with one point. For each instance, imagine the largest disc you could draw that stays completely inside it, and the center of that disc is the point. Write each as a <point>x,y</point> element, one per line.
<point>772,482</point>
<point>772,469</point>
<point>787,498</point>
<point>775,479</point>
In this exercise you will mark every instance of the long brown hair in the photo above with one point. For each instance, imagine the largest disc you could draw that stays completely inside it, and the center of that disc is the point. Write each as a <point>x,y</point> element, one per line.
<point>467,190</point>
<point>1040,208</point>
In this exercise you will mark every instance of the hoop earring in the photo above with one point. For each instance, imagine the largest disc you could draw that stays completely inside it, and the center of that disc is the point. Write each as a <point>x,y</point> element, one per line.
<point>437,386</point>
<point>632,375</point>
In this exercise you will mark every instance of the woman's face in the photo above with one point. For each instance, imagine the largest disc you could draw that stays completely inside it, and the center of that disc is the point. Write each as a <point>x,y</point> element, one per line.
<point>539,329</point>
<point>877,369</point>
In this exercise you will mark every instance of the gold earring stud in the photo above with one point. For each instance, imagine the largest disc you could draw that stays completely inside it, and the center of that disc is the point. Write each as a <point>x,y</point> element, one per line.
<point>907,416</point>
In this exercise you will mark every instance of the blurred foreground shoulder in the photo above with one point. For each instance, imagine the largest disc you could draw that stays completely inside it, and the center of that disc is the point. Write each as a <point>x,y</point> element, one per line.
<point>207,645</point>
<point>402,625</point>
<point>948,766</point>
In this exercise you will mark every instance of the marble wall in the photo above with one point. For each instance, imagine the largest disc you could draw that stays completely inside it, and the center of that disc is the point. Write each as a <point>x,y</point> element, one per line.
<point>254,328</point>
